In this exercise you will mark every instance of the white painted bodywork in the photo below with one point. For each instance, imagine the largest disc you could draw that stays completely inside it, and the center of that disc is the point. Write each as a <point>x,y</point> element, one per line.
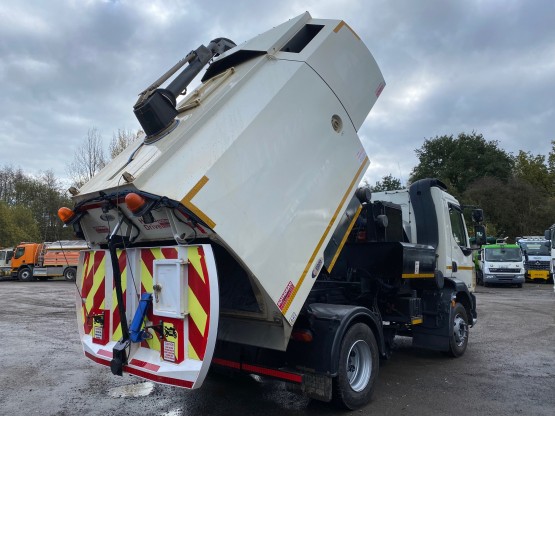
<point>258,160</point>
<point>448,250</point>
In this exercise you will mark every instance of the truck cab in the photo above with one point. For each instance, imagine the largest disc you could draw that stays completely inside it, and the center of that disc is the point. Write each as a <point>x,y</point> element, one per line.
<point>537,257</point>
<point>5,262</point>
<point>24,259</point>
<point>500,263</point>
<point>549,235</point>
<point>434,217</point>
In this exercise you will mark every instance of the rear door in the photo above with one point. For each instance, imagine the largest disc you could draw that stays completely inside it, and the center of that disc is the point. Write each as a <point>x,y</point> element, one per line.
<point>182,318</point>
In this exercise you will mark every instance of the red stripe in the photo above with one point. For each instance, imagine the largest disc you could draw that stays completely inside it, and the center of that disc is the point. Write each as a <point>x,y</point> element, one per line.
<point>105,353</point>
<point>228,363</point>
<point>148,260</point>
<point>151,377</point>
<point>169,252</point>
<point>201,290</point>
<point>198,286</point>
<point>289,376</point>
<point>196,339</point>
<point>88,279</point>
<point>145,365</point>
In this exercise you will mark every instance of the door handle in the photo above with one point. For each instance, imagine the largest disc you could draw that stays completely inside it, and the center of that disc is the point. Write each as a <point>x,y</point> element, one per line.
<point>455,267</point>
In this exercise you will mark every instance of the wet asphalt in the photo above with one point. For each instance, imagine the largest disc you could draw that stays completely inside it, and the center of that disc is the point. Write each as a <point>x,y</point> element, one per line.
<point>508,368</point>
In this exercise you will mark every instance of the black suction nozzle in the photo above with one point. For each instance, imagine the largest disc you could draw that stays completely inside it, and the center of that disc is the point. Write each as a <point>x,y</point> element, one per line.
<point>156,107</point>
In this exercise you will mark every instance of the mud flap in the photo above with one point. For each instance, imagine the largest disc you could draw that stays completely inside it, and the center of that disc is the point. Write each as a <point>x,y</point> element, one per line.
<point>179,329</point>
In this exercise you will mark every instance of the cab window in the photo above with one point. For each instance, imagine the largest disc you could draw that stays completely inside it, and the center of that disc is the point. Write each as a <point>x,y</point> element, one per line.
<point>457,226</point>
<point>19,252</point>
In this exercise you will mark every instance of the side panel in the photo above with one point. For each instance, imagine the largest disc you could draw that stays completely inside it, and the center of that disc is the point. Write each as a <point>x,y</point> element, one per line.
<point>178,349</point>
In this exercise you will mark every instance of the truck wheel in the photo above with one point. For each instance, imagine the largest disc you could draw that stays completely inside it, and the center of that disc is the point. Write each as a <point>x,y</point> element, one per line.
<point>459,331</point>
<point>69,274</point>
<point>25,274</point>
<point>357,368</point>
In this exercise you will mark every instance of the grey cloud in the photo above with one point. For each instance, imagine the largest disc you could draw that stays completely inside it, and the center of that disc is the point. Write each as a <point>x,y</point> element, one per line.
<point>450,66</point>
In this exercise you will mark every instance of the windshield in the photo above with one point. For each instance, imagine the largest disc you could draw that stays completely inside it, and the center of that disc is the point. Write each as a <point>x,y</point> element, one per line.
<point>536,249</point>
<point>503,255</point>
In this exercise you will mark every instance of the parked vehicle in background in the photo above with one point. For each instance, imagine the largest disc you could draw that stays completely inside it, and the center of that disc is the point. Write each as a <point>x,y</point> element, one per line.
<point>5,262</point>
<point>46,260</point>
<point>550,236</point>
<point>500,263</point>
<point>537,257</point>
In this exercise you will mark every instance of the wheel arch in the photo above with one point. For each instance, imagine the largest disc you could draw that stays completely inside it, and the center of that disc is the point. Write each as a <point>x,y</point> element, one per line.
<point>339,318</point>
<point>461,294</point>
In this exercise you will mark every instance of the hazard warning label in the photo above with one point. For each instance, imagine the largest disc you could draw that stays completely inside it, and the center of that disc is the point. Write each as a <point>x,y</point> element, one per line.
<point>169,351</point>
<point>285,295</point>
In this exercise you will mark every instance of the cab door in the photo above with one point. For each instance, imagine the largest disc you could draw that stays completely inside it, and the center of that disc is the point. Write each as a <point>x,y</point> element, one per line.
<point>461,254</point>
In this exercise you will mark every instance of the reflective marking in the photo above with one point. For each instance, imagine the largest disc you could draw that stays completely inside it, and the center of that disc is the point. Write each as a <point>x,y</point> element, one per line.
<point>340,248</point>
<point>416,276</point>
<point>145,365</point>
<point>186,201</point>
<point>319,245</point>
<point>343,24</point>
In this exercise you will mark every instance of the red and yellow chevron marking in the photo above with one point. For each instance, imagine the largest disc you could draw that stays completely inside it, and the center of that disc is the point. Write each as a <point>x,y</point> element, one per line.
<point>92,286</point>
<point>199,303</point>
<point>117,334</point>
<point>148,256</point>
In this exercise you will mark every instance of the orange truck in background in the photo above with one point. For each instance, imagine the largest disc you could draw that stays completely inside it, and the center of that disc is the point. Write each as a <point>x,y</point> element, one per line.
<point>46,260</point>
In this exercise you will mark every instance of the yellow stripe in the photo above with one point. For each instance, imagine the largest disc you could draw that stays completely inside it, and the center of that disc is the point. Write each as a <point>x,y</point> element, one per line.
<point>412,276</point>
<point>97,280</point>
<point>194,259</point>
<point>186,201</point>
<point>319,245</point>
<point>192,353</point>
<point>340,248</point>
<point>466,267</point>
<point>343,24</point>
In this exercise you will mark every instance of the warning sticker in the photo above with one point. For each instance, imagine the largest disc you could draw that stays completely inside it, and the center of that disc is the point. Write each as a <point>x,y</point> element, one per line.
<point>98,332</point>
<point>169,351</point>
<point>285,295</point>
<point>417,266</point>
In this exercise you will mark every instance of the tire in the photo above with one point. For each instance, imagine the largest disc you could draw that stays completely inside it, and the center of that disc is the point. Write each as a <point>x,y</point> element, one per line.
<point>357,368</point>
<point>70,274</point>
<point>25,274</point>
<point>479,278</point>
<point>458,339</point>
<point>519,285</point>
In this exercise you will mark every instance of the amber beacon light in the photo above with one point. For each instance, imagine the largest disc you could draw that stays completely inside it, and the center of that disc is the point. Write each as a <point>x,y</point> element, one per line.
<point>66,215</point>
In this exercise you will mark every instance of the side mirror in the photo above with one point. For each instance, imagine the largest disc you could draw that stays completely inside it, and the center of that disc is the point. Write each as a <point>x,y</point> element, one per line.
<point>547,234</point>
<point>480,234</point>
<point>478,216</point>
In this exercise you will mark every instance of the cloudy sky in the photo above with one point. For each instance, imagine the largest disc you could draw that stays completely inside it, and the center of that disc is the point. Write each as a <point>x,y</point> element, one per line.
<point>450,66</point>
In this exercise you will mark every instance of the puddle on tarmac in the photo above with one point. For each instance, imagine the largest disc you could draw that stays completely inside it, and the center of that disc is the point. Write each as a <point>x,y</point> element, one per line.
<point>132,390</point>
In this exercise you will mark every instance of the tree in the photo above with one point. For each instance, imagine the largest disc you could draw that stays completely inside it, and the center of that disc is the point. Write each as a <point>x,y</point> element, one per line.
<point>121,140</point>
<point>512,209</point>
<point>535,170</point>
<point>388,183</point>
<point>18,224</point>
<point>88,159</point>
<point>462,160</point>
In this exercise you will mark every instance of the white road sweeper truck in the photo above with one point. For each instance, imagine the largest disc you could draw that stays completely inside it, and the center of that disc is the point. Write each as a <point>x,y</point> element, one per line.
<point>234,233</point>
